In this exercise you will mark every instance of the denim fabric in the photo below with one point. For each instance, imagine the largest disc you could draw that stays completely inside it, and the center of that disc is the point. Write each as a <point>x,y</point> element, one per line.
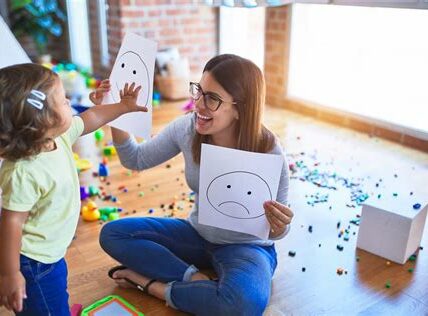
<point>46,288</point>
<point>169,249</point>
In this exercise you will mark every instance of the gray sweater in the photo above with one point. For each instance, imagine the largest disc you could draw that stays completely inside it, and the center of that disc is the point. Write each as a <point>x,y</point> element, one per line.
<point>177,137</point>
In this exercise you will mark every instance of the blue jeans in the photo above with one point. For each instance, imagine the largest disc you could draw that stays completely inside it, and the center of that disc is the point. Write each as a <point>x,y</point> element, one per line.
<point>171,251</point>
<point>46,286</point>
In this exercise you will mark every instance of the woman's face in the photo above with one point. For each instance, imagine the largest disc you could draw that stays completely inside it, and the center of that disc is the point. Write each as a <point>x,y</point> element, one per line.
<point>210,122</point>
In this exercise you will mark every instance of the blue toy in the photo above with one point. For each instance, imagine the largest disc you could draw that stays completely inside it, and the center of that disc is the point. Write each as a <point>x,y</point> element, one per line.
<point>103,170</point>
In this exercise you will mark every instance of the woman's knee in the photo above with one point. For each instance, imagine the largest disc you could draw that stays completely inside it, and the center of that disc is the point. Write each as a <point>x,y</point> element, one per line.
<point>115,233</point>
<point>108,235</point>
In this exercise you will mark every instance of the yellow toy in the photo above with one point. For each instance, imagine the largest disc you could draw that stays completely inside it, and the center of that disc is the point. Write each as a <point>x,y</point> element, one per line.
<point>82,164</point>
<point>90,212</point>
<point>109,151</point>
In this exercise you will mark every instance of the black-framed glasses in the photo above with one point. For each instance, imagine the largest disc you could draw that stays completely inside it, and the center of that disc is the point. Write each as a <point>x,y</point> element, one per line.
<point>211,101</point>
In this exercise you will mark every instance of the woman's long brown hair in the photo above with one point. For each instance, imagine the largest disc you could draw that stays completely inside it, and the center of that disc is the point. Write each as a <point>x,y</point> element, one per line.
<point>244,81</point>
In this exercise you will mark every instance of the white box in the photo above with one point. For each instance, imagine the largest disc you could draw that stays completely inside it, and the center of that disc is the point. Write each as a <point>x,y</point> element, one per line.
<point>391,228</point>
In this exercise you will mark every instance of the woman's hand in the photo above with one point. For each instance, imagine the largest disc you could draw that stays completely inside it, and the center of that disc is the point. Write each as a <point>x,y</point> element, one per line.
<point>278,216</point>
<point>129,96</point>
<point>97,96</point>
<point>12,291</point>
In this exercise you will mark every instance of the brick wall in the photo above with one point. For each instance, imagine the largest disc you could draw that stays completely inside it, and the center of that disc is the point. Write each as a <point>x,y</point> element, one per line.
<point>277,53</point>
<point>192,28</point>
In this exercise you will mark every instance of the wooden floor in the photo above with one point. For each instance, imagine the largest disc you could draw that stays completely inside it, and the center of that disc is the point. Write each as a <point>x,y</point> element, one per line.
<point>319,289</point>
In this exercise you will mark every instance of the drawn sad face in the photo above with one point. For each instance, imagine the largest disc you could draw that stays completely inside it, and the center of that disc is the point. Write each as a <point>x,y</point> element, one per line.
<point>234,193</point>
<point>130,68</point>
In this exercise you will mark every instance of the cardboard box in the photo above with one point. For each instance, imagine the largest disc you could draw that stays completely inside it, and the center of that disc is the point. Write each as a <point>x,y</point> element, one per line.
<point>391,228</point>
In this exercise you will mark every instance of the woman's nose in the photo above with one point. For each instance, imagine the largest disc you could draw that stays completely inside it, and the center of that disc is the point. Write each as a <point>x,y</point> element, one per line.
<point>199,104</point>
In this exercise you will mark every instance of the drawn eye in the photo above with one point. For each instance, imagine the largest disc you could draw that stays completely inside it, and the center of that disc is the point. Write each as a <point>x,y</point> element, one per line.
<point>229,186</point>
<point>134,72</point>
<point>249,192</point>
<point>123,65</point>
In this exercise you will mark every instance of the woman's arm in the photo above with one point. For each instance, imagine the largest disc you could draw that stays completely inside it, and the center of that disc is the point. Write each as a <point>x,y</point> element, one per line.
<point>154,151</point>
<point>119,136</point>
<point>12,283</point>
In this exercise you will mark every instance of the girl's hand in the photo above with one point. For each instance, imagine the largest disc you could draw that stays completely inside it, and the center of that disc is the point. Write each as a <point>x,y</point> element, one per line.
<point>97,96</point>
<point>278,216</point>
<point>128,98</point>
<point>12,291</point>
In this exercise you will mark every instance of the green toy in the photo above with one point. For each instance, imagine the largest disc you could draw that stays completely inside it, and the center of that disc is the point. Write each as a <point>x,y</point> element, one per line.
<point>93,190</point>
<point>99,135</point>
<point>111,305</point>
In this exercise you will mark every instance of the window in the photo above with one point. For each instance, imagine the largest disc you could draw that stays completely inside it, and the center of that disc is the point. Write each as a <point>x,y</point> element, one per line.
<point>77,12</point>
<point>368,61</point>
<point>242,32</point>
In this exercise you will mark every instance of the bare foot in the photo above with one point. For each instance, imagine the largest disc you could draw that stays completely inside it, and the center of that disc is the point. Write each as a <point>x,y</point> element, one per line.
<point>131,275</point>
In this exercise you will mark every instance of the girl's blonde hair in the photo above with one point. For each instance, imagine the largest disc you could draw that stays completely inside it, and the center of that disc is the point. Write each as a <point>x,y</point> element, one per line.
<point>23,126</point>
<point>244,81</point>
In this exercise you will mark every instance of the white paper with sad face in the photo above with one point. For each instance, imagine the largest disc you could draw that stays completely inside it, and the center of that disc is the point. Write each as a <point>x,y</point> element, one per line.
<point>233,185</point>
<point>135,62</point>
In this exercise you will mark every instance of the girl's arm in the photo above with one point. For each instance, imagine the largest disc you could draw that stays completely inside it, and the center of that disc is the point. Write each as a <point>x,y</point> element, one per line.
<point>141,156</point>
<point>97,96</point>
<point>99,115</point>
<point>12,283</point>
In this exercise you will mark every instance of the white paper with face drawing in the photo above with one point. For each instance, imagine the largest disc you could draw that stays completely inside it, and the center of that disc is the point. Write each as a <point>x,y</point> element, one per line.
<point>135,62</point>
<point>233,185</point>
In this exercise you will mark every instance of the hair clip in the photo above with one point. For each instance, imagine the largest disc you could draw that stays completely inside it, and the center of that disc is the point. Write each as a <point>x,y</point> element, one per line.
<point>36,103</point>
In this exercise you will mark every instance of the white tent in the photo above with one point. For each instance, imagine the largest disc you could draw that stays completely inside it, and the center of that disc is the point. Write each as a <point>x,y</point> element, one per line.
<point>11,52</point>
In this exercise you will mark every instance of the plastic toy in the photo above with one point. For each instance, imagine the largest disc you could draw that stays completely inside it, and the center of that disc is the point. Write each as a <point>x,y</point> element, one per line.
<point>93,191</point>
<point>109,151</point>
<point>76,310</point>
<point>111,305</point>
<point>109,213</point>
<point>84,194</point>
<point>82,164</point>
<point>99,135</point>
<point>189,106</point>
<point>103,170</point>
<point>156,98</point>
<point>90,212</point>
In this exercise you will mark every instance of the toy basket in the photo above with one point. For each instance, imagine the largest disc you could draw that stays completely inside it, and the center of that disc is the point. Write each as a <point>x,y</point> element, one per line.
<point>172,88</point>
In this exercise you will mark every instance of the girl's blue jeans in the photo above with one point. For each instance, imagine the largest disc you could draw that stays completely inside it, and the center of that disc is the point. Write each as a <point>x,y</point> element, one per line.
<point>46,288</point>
<point>171,251</point>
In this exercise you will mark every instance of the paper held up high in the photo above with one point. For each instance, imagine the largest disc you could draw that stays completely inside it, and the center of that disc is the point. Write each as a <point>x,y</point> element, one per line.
<point>135,62</point>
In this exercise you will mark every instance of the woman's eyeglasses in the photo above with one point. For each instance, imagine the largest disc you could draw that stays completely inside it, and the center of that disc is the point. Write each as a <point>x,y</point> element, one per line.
<point>211,101</point>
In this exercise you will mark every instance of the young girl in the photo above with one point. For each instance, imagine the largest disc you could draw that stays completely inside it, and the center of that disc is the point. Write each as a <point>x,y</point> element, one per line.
<point>39,183</point>
<point>161,256</point>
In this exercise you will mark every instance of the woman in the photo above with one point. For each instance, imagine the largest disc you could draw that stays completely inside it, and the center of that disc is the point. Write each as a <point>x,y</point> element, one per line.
<point>162,256</point>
